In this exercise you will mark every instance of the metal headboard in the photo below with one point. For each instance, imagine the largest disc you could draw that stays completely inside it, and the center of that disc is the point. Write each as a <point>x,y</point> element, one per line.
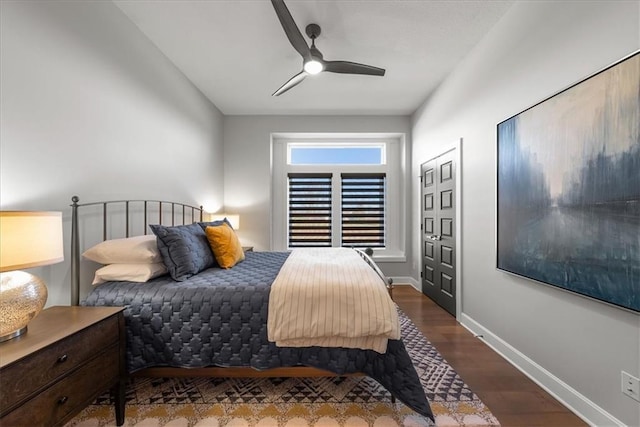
<point>366,255</point>
<point>186,211</point>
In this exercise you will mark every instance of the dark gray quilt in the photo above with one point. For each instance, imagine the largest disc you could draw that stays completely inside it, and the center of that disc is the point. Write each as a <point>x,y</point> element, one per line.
<point>219,318</point>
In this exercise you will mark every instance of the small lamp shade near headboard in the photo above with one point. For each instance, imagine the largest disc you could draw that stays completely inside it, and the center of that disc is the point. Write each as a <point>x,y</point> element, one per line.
<point>234,219</point>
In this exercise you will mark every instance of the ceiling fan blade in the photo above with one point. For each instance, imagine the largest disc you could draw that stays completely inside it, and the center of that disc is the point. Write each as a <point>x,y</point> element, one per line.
<point>291,29</point>
<point>293,81</point>
<point>346,67</point>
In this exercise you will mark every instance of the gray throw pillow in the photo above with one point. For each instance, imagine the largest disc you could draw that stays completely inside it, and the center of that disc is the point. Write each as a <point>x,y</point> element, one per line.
<point>185,249</point>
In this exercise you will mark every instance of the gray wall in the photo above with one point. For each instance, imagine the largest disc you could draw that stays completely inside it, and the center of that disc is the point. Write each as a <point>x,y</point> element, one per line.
<point>574,346</point>
<point>90,107</point>
<point>247,158</point>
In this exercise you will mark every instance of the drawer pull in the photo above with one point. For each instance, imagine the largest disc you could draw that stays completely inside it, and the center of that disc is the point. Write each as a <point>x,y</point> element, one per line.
<point>63,400</point>
<point>62,358</point>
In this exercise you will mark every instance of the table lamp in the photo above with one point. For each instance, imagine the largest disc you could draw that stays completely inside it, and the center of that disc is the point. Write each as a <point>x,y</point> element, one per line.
<point>234,219</point>
<point>27,239</point>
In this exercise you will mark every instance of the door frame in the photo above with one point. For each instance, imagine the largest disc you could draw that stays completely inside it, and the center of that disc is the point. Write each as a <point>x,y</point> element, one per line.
<point>457,147</point>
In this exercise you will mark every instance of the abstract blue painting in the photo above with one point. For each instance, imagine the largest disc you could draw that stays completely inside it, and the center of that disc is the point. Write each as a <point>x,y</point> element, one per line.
<point>569,188</point>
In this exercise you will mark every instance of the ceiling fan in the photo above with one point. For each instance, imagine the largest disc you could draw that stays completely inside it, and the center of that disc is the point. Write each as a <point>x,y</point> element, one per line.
<point>312,60</point>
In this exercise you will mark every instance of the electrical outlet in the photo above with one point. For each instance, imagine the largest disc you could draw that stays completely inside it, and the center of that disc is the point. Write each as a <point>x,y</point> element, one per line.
<point>631,386</point>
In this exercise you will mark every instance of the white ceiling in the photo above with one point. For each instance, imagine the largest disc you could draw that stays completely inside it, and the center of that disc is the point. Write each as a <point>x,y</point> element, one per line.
<point>237,54</point>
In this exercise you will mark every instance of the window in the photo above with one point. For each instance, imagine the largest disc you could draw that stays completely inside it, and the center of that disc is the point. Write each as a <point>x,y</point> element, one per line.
<point>309,210</point>
<point>335,154</point>
<point>363,208</point>
<point>334,191</point>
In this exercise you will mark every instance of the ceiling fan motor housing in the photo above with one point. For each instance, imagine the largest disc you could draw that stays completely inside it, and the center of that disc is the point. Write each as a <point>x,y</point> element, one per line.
<point>313,31</point>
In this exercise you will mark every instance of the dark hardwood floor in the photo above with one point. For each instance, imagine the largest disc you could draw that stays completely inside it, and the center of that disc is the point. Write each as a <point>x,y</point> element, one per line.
<point>510,395</point>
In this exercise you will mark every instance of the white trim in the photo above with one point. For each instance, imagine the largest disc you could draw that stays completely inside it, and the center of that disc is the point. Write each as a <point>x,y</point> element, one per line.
<point>458,149</point>
<point>406,281</point>
<point>561,391</point>
<point>278,194</point>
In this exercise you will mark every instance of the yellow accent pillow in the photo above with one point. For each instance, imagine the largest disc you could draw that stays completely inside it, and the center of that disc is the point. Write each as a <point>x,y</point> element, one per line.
<point>225,245</point>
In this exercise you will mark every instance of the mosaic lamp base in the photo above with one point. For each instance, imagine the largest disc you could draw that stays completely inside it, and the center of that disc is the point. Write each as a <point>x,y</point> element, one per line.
<point>22,296</point>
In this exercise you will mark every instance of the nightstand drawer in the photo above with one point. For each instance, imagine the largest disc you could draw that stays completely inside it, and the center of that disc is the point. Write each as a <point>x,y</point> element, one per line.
<point>55,403</point>
<point>21,379</point>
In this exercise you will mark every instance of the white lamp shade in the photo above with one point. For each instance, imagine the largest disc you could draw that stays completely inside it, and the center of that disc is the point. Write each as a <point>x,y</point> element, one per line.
<point>30,239</point>
<point>234,219</point>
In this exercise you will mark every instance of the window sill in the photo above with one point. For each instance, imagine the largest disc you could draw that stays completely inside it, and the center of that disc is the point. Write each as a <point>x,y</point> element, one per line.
<point>389,257</point>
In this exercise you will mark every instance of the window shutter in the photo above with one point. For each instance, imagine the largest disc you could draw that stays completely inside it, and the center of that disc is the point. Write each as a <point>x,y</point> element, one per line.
<point>309,210</point>
<point>363,210</point>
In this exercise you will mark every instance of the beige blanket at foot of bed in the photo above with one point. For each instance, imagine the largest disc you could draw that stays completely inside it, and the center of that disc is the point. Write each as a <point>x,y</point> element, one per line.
<point>330,297</point>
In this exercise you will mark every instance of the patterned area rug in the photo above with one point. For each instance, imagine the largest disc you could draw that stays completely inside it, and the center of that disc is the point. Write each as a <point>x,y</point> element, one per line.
<point>296,402</point>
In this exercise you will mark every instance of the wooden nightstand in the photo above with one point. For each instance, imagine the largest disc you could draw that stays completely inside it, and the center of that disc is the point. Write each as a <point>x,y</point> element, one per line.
<point>68,357</point>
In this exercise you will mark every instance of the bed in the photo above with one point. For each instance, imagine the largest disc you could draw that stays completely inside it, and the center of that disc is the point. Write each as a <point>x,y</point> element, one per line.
<point>216,321</point>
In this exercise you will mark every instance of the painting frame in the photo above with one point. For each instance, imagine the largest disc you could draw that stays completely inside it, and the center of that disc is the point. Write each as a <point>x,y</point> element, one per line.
<point>568,188</point>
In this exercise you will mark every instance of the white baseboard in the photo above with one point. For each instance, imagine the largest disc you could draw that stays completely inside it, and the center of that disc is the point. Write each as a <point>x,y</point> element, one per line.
<point>406,280</point>
<point>563,392</point>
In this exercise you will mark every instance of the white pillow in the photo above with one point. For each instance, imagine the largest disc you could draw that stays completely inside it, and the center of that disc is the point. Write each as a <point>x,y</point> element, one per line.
<point>132,250</point>
<point>129,272</point>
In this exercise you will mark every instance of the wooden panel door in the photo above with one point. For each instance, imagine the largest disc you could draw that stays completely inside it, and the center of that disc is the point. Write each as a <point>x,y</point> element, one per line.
<point>438,212</point>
